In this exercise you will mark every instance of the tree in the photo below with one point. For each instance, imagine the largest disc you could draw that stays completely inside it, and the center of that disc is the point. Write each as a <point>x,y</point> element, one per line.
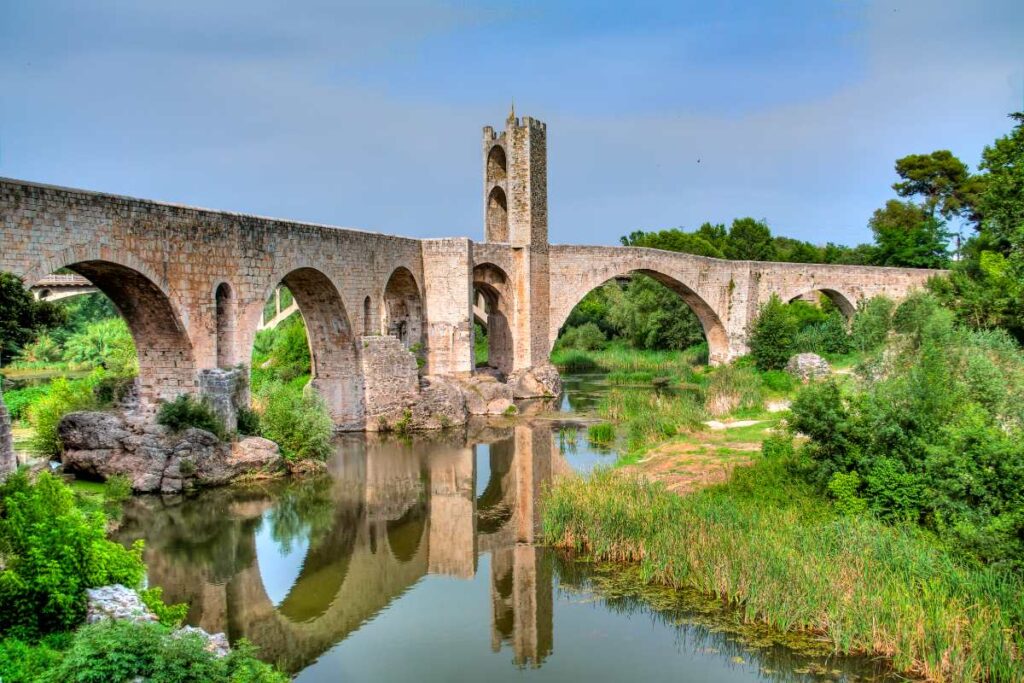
<point>651,316</point>
<point>22,317</point>
<point>907,235</point>
<point>750,240</point>
<point>673,240</point>
<point>943,180</point>
<point>772,335</point>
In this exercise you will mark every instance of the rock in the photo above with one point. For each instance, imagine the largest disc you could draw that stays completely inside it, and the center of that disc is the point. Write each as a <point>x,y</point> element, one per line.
<point>101,445</point>
<point>808,366</point>
<point>537,381</point>
<point>116,602</point>
<point>485,395</point>
<point>7,461</point>
<point>216,643</point>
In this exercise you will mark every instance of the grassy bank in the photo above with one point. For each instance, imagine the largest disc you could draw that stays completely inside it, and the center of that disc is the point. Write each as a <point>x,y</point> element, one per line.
<point>622,358</point>
<point>768,544</point>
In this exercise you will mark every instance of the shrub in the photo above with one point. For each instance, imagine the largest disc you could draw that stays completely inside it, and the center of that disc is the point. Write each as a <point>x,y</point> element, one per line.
<point>185,412</point>
<point>777,447</point>
<point>20,400</point>
<point>104,344</point>
<point>248,422</point>
<point>117,489</point>
<point>844,488</point>
<point>64,396</point>
<point>168,615</point>
<point>122,651</point>
<point>871,323</point>
<point>779,381</point>
<point>298,421</point>
<point>51,551</point>
<point>772,336</point>
<point>21,662</point>
<point>586,337</point>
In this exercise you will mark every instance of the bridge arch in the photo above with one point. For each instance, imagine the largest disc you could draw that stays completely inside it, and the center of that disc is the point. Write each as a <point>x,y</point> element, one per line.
<point>167,365</point>
<point>845,303</point>
<point>492,284</point>
<point>335,371</point>
<point>714,330</point>
<point>403,308</point>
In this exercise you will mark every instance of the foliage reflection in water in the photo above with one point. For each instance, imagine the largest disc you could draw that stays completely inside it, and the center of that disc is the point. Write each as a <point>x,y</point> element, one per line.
<point>414,559</point>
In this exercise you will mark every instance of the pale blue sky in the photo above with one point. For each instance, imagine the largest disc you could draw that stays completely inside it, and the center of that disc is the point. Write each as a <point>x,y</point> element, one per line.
<point>368,115</point>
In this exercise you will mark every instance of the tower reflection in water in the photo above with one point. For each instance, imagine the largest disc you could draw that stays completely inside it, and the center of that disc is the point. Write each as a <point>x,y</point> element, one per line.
<point>389,512</point>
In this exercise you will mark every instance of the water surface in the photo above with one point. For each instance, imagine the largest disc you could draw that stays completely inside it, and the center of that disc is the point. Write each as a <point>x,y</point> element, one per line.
<point>415,559</point>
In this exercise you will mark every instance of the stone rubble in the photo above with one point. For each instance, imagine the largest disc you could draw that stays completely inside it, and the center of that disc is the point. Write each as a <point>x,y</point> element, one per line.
<point>808,366</point>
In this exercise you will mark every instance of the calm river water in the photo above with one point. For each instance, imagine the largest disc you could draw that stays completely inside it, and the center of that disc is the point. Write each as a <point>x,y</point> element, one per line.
<point>414,559</point>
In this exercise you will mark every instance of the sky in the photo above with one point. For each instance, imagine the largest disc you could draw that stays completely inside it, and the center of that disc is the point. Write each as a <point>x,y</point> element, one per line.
<point>369,115</point>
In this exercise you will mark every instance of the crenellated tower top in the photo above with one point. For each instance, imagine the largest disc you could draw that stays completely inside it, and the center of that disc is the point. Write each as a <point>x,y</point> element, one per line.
<point>516,182</point>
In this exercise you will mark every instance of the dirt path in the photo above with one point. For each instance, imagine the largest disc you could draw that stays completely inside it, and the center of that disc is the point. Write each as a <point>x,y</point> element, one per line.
<point>699,459</point>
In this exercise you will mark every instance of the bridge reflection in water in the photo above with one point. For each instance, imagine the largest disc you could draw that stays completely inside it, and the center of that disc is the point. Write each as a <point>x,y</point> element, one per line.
<point>390,512</point>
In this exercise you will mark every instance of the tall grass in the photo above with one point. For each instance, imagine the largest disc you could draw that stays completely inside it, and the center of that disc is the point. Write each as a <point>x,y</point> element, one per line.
<point>734,388</point>
<point>770,546</point>
<point>622,358</point>
<point>648,417</point>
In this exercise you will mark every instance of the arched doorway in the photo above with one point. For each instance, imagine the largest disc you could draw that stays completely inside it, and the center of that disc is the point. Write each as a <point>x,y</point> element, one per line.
<point>827,300</point>
<point>492,313</point>
<point>403,308</point>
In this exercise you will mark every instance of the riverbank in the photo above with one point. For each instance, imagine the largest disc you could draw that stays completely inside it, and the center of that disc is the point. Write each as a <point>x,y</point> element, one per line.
<point>708,495</point>
<point>766,543</point>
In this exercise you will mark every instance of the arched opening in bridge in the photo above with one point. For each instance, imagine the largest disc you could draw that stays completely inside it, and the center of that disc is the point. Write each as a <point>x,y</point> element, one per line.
<point>637,312</point>
<point>497,216</point>
<point>403,309</point>
<point>313,344</point>
<point>492,313</point>
<point>826,300</point>
<point>227,314</point>
<point>115,318</point>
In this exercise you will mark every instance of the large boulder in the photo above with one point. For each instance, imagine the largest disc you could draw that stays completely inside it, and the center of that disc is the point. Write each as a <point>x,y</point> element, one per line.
<point>536,382</point>
<point>485,395</point>
<point>101,445</point>
<point>808,366</point>
<point>438,404</point>
<point>117,603</point>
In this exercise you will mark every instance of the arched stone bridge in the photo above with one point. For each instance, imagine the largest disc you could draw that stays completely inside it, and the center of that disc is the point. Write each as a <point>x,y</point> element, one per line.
<point>192,283</point>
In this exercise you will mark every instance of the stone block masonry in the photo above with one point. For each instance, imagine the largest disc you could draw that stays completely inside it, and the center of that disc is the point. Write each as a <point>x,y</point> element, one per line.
<point>192,283</point>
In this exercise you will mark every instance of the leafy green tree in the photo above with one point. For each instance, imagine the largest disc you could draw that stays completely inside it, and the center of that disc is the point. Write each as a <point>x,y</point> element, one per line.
<point>945,183</point>
<point>772,335</point>
<point>750,240</point>
<point>651,316</point>
<point>22,317</point>
<point>674,240</point>
<point>907,235</point>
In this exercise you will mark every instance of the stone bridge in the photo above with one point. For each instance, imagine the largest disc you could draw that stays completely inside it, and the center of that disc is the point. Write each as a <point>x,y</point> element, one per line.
<point>192,283</point>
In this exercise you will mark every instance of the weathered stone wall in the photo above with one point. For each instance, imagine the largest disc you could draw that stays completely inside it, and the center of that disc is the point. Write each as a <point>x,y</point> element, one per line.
<point>7,461</point>
<point>391,377</point>
<point>448,305</point>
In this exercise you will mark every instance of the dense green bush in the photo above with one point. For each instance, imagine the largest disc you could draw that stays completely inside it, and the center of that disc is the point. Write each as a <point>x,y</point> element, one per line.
<point>103,344</point>
<point>772,335</point>
<point>23,662</point>
<point>64,396</point>
<point>20,400</point>
<point>586,337</point>
<point>871,323</point>
<point>936,438</point>
<point>121,651</point>
<point>50,552</point>
<point>185,412</point>
<point>248,422</point>
<point>298,421</point>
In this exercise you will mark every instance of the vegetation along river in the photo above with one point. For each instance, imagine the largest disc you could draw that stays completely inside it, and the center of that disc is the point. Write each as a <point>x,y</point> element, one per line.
<point>415,559</point>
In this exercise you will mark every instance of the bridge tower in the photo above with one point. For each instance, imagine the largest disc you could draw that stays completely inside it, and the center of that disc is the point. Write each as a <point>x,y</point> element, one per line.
<point>516,214</point>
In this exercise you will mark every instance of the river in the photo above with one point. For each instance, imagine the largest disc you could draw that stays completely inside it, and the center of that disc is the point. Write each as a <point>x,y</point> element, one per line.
<point>415,559</point>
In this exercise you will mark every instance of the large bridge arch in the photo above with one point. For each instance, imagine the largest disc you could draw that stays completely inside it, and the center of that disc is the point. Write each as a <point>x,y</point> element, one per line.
<point>845,302</point>
<point>714,329</point>
<point>336,373</point>
<point>167,366</point>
